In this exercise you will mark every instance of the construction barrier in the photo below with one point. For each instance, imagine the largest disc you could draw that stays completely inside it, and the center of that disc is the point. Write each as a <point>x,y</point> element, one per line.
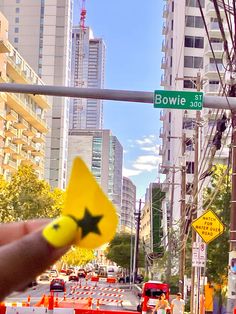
<point>90,311</point>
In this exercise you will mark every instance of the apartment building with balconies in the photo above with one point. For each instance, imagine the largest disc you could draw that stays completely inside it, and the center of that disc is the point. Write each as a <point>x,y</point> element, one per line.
<point>187,52</point>
<point>22,123</point>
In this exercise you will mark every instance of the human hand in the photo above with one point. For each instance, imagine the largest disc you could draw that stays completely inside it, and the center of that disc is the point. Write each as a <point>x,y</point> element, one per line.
<point>24,254</point>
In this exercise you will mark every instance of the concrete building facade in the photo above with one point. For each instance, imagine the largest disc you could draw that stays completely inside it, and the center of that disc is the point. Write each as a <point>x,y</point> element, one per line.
<point>127,219</point>
<point>87,70</point>
<point>22,117</point>
<point>103,154</point>
<point>186,53</point>
<point>41,31</point>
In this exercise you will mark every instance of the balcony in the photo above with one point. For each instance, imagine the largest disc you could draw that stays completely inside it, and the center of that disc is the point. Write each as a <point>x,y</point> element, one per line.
<point>164,81</point>
<point>10,148</point>
<point>211,70</point>
<point>10,132</point>
<point>165,11</point>
<point>21,140</point>
<point>30,132</point>
<point>214,29</point>
<point>210,10</point>
<point>2,134</point>
<point>4,46</point>
<point>27,162</point>
<point>38,153</point>
<point>23,74</point>
<point>218,49</point>
<point>165,185</point>
<point>161,150</point>
<point>163,63</point>
<point>164,29</point>
<point>164,168</point>
<point>18,101</point>
<point>164,46</point>
<point>212,89</point>
<point>9,165</point>
<point>38,165</point>
<point>2,115</point>
<point>21,124</point>
<point>162,115</point>
<point>161,133</point>
<point>11,116</point>
<point>39,138</point>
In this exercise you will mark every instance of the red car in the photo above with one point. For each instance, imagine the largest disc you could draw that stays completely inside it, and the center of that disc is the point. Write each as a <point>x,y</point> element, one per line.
<point>73,277</point>
<point>57,284</point>
<point>153,290</point>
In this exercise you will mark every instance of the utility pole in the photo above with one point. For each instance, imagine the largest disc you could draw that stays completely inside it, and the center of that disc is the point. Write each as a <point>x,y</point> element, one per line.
<point>169,261</point>
<point>182,215</point>
<point>195,194</point>
<point>232,250</point>
<point>136,248</point>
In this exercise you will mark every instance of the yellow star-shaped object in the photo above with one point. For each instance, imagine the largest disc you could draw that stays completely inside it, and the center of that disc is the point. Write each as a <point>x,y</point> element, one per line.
<point>88,205</point>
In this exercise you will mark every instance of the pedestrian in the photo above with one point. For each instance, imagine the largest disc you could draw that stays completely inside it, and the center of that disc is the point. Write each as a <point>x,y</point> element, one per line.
<point>162,305</point>
<point>177,304</point>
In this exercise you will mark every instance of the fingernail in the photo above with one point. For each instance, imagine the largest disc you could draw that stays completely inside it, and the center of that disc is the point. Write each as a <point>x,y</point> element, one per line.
<point>60,232</point>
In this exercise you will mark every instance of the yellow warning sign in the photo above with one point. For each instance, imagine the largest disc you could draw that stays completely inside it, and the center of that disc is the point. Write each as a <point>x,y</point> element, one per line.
<point>208,226</point>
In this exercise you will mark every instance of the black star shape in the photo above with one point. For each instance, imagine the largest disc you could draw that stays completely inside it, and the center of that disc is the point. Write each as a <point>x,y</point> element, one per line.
<point>56,226</point>
<point>89,223</point>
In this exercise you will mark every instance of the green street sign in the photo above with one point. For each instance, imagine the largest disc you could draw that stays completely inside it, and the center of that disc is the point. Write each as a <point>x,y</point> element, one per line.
<point>178,100</point>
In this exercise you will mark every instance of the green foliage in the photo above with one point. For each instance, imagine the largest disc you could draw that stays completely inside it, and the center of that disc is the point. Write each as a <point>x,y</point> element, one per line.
<point>157,197</point>
<point>118,251</point>
<point>26,197</point>
<point>78,256</point>
<point>217,259</point>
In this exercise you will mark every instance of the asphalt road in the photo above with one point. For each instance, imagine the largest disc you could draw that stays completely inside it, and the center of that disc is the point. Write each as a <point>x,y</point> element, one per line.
<point>82,290</point>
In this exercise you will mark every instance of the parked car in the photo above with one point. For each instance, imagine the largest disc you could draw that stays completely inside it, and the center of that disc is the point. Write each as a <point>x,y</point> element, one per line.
<point>81,273</point>
<point>44,277</point>
<point>70,270</point>
<point>73,277</point>
<point>153,290</point>
<point>32,283</point>
<point>57,284</point>
<point>138,279</point>
<point>53,273</point>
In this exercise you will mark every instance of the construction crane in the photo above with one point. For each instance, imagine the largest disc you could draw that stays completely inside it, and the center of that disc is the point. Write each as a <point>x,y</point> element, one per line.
<point>82,31</point>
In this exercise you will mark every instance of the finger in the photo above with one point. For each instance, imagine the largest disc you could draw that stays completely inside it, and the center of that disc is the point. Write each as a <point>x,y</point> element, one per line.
<point>24,259</point>
<point>12,231</point>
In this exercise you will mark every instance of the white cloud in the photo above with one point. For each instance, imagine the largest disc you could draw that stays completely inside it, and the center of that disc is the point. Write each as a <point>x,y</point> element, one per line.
<point>152,149</point>
<point>130,172</point>
<point>147,162</point>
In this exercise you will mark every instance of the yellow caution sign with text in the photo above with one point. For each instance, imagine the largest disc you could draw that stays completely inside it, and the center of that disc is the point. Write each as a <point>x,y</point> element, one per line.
<point>88,206</point>
<point>208,226</point>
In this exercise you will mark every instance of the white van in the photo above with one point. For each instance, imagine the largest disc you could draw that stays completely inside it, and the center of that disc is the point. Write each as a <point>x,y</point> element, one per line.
<point>112,271</point>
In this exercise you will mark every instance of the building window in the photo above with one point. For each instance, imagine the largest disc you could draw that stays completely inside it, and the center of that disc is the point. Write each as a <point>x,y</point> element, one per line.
<point>170,79</point>
<point>16,29</point>
<point>189,84</point>
<point>169,117</point>
<point>17,1</point>
<point>189,145</point>
<point>193,62</point>
<point>189,188</point>
<point>17,20</point>
<point>194,3</point>
<point>17,10</point>
<point>172,25</point>
<point>188,123</point>
<point>171,43</point>
<point>16,40</point>
<point>190,167</point>
<point>172,6</point>
<point>168,155</point>
<point>194,21</point>
<point>194,42</point>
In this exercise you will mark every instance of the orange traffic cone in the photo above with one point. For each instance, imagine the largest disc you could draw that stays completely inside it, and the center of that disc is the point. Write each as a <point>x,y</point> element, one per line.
<point>28,300</point>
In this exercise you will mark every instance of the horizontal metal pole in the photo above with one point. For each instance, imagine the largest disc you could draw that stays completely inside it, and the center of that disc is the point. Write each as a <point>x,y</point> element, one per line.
<point>218,102</point>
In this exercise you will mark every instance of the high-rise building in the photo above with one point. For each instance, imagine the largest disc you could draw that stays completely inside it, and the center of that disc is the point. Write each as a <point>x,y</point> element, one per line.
<point>103,154</point>
<point>127,219</point>
<point>22,122</point>
<point>87,70</point>
<point>41,31</point>
<point>186,53</point>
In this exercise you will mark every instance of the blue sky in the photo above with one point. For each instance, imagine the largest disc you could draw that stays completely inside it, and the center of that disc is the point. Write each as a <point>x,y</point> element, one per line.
<point>131,30</point>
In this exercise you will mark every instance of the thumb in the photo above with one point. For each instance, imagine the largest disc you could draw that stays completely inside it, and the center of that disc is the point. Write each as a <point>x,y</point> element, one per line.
<point>24,259</point>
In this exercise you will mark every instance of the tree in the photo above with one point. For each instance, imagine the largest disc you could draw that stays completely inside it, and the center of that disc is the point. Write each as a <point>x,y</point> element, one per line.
<point>78,256</point>
<point>26,197</point>
<point>119,248</point>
